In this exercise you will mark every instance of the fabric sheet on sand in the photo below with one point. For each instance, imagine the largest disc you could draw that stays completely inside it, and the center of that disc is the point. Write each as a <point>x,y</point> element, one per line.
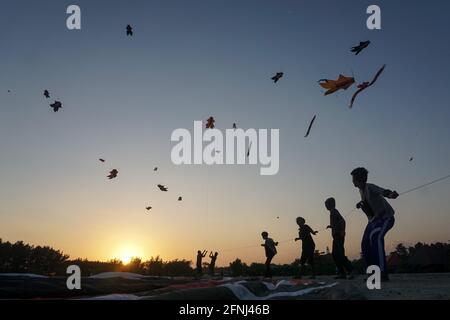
<point>244,290</point>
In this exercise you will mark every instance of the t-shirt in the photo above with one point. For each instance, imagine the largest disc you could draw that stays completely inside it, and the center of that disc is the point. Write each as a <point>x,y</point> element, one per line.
<point>270,247</point>
<point>304,233</point>
<point>337,223</point>
<point>372,195</point>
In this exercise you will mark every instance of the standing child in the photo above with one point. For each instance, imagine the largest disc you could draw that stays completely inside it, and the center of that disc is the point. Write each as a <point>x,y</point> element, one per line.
<point>337,225</point>
<point>200,256</point>
<point>308,246</point>
<point>212,264</point>
<point>271,250</point>
<point>381,219</point>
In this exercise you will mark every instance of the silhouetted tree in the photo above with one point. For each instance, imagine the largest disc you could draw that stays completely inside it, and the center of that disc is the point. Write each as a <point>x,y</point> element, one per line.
<point>178,268</point>
<point>237,268</point>
<point>135,266</point>
<point>401,251</point>
<point>20,257</point>
<point>154,266</point>
<point>257,269</point>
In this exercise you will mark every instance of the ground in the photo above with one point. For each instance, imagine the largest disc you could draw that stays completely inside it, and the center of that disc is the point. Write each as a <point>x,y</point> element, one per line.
<point>401,287</point>
<point>407,286</point>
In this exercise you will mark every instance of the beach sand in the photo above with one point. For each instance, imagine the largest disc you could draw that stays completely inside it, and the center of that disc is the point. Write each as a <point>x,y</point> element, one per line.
<point>400,287</point>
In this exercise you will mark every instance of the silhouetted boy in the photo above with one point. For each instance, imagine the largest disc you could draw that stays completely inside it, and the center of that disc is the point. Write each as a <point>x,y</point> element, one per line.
<point>212,264</point>
<point>200,256</point>
<point>337,225</point>
<point>271,250</point>
<point>381,219</point>
<point>308,246</point>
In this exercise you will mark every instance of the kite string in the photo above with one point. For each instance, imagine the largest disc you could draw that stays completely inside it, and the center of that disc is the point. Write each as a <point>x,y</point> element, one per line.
<point>425,185</point>
<point>255,246</point>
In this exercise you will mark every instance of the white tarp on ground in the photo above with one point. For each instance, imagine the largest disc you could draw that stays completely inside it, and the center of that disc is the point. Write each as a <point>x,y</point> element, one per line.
<point>273,291</point>
<point>30,275</point>
<point>246,290</point>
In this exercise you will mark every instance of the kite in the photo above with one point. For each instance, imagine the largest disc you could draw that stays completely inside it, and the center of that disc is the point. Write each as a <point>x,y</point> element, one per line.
<point>129,30</point>
<point>277,77</point>
<point>363,86</point>
<point>342,82</point>
<point>360,47</point>
<point>56,106</point>
<point>9,91</point>
<point>162,188</point>
<point>210,123</point>
<point>155,169</point>
<point>102,160</point>
<point>310,126</point>
<point>411,159</point>
<point>113,174</point>
<point>148,208</point>
<point>180,198</point>
<point>47,94</point>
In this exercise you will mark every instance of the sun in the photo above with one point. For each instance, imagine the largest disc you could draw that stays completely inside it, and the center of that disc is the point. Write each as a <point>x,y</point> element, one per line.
<point>126,258</point>
<point>125,254</point>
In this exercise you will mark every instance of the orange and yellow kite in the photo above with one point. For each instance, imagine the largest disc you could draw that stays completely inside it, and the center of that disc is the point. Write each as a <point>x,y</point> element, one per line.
<point>342,82</point>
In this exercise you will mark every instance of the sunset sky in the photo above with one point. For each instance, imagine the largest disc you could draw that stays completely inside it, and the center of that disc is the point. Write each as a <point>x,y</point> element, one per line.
<point>189,60</point>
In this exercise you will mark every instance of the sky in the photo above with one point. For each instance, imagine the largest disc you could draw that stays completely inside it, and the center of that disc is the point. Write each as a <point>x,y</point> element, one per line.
<point>189,60</point>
